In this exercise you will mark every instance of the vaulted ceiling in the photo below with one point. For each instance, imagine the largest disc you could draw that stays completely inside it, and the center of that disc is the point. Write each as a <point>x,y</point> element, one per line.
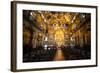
<point>48,20</point>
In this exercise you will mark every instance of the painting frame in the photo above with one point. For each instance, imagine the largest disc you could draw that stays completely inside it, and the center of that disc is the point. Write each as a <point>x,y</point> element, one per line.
<point>14,35</point>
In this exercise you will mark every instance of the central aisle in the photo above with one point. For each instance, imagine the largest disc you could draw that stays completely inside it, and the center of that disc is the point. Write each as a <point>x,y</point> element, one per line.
<point>59,55</point>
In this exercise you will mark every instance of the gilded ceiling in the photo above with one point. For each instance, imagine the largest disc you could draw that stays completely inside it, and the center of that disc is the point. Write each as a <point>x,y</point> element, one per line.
<point>49,20</point>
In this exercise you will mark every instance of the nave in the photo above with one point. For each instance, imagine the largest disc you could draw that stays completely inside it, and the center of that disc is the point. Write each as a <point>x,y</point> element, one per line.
<point>56,36</point>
